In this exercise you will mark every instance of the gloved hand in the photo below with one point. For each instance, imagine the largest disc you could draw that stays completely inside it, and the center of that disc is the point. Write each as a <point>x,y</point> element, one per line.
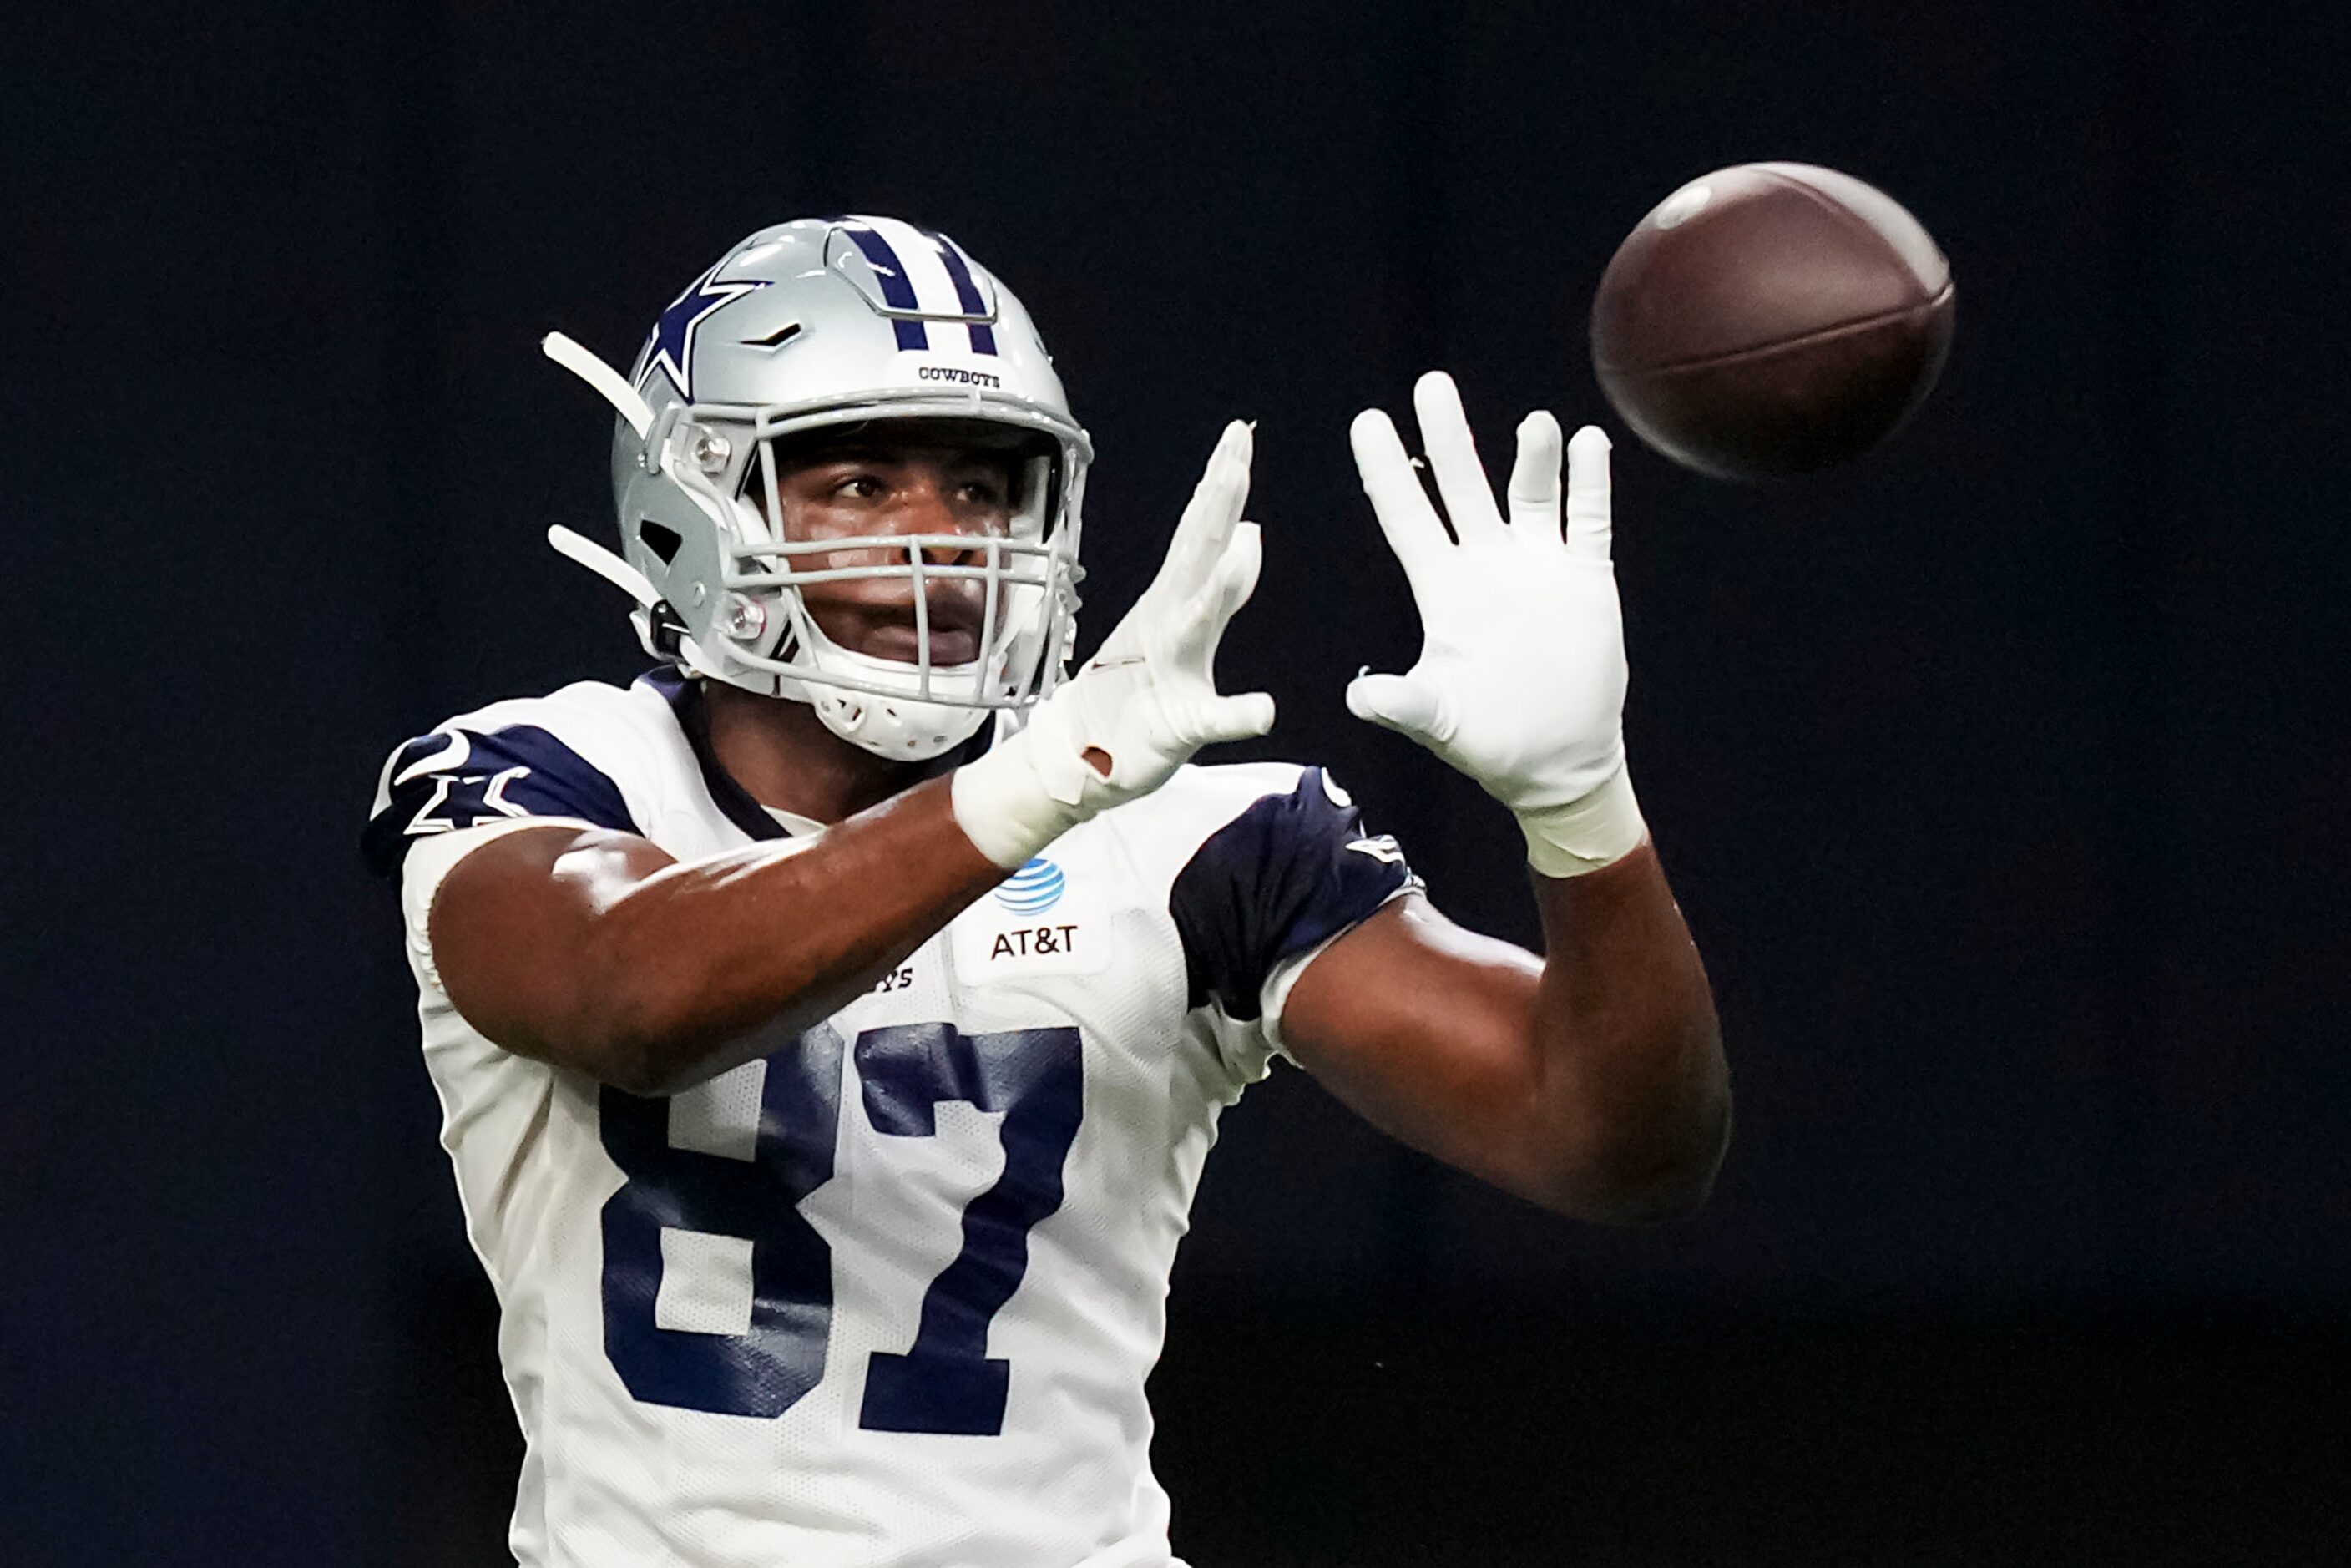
<point>1521,681</point>
<point>1142,705</point>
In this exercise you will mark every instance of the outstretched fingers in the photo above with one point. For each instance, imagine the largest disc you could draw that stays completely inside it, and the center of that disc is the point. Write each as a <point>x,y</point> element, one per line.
<point>1588,504</point>
<point>1453,456</point>
<point>1211,515</point>
<point>1194,706</point>
<point>1534,480</point>
<point>1236,571</point>
<point>1408,522</point>
<point>1202,616</point>
<point>1411,704</point>
<point>1244,717</point>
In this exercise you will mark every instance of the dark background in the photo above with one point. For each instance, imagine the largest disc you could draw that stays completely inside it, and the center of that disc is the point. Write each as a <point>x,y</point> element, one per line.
<point>1999,775</point>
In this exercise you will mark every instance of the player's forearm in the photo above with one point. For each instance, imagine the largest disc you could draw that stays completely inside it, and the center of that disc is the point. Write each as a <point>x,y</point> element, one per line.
<point>1634,1093</point>
<point>706,965</point>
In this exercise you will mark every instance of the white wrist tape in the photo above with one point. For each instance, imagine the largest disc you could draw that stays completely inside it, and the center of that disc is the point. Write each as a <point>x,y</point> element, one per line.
<point>1003,807</point>
<point>1595,831</point>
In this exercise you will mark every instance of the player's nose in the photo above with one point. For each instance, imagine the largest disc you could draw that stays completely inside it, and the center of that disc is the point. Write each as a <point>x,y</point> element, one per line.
<point>971,552</point>
<point>928,511</point>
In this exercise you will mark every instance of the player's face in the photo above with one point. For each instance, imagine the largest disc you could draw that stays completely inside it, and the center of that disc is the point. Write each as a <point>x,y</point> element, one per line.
<point>892,491</point>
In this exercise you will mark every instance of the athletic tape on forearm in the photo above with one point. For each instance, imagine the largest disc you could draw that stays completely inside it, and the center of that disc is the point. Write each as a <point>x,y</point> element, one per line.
<point>1599,830</point>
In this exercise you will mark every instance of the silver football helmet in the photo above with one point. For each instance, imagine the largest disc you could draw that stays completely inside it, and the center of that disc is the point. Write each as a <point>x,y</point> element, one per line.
<point>816,325</point>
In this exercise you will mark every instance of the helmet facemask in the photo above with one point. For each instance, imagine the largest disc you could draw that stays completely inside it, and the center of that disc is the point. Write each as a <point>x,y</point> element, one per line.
<point>910,709</point>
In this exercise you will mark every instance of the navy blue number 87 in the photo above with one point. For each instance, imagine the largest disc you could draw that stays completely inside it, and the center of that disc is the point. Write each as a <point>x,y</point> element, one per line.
<point>945,1380</point>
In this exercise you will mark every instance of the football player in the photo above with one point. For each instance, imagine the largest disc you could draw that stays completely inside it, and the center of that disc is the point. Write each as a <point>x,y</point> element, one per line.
<point>829,1027</point>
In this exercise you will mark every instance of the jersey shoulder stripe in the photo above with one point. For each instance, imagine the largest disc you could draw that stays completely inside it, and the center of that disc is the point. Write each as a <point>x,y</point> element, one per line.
<point>554,756</point>
<point>1289,865</point>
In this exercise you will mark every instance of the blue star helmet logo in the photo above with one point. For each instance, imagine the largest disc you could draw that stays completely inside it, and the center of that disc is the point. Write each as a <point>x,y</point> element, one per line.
<point>670,348</point>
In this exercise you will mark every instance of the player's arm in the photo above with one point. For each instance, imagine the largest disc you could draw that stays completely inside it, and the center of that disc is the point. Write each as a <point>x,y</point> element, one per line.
<point>1591,1080</point>
<point>597,951</point>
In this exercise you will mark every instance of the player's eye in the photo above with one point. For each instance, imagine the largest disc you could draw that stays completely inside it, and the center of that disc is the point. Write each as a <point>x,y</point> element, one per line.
<point>861,487</point>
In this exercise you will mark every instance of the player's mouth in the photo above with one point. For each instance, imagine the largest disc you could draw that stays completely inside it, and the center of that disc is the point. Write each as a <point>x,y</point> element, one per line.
<point>954,635</point>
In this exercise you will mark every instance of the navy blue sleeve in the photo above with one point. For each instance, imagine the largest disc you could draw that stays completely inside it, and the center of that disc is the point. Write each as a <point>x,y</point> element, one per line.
<point>456,779</point>
<point>1287,872</point>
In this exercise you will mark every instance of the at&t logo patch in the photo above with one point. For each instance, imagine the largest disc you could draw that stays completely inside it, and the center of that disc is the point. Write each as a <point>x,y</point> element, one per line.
<point>1033,889</point>
<point>1043,921</point>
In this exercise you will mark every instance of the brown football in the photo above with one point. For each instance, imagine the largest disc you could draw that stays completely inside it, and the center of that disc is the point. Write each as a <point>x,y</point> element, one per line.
<point>1771,319</point>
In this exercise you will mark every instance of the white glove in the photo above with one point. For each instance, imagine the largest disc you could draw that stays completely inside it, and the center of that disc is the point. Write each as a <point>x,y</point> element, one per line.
<point>1147,702</point>
<point>1521,681</point>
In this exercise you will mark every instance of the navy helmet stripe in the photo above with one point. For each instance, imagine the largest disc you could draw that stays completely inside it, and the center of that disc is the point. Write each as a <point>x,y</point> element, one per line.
<point>897,288</point>
<point>966,288</point>
<point>983,336</point>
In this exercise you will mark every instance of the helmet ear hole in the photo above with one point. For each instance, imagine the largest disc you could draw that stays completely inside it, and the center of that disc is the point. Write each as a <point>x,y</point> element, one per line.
<point>662,541</point>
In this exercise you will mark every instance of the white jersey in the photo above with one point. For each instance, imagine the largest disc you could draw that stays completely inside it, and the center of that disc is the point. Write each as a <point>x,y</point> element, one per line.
<point>889,1295</point>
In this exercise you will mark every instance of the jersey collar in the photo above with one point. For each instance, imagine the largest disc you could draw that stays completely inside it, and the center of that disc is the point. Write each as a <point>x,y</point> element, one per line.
<point>684,699</point>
